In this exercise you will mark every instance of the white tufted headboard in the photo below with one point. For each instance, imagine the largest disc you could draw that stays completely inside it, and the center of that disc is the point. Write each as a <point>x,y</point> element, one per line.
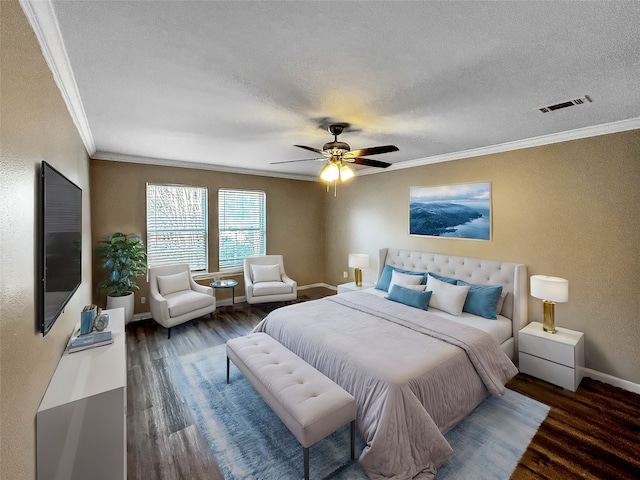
<point>512,277</point>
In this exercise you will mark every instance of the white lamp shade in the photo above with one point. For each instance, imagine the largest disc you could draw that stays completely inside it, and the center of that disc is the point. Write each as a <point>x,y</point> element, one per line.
<point>358,260</point>
<point>346,173</point>
<point>553,289</point>
<point>330,172</point>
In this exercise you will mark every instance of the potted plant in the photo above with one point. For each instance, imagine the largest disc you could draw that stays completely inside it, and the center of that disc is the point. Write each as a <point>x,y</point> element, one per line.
<point>124,257</point>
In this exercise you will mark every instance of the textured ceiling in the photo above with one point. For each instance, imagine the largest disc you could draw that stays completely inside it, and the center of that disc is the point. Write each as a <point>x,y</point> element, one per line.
<point>234,85</point>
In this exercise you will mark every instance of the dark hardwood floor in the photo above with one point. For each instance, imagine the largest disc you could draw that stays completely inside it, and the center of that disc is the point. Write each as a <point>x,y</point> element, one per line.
<point>592,434</point>
<point>162,442</point>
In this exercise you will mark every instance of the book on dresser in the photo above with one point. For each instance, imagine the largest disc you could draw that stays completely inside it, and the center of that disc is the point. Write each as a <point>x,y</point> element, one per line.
<point>79,342</point>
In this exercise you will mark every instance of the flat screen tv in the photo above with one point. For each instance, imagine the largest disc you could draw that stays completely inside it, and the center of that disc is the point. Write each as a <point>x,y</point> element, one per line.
<point>61,244</point>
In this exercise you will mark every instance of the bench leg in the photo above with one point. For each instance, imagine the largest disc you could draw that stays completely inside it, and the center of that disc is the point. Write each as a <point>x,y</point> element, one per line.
<point>353,440</point>
<point>227,370</point>
<point>306,462</point>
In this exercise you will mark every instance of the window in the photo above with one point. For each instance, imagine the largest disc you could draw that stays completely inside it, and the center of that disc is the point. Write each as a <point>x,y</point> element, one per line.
<point>177,226</point>
<point>242,226</point>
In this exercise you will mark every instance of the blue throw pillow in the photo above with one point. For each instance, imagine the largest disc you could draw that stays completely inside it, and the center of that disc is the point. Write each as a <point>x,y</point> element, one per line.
<point>385,277</point>
<point>452,281</point>
<point>413,298</point>
<point>482,300</point>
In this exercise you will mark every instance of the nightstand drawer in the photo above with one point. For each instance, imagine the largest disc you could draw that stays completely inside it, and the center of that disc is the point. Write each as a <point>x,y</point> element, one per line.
<point>554,351</point>
<point>560,375</point>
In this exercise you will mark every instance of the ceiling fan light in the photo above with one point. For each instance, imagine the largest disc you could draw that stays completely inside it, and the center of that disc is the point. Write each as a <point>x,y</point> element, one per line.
<point>346,173</point>
<point>330,172</point>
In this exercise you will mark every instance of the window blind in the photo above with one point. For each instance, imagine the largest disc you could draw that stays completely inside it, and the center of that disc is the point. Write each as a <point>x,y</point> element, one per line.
<point>241,226</point>
<point>177,226</point>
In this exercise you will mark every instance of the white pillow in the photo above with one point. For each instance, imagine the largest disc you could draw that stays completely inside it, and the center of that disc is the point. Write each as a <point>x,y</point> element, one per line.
<point>404,279</point>
<point>419,288</point>
<point>168,284</point>
<point>447,297</point>
<point>266,273</point>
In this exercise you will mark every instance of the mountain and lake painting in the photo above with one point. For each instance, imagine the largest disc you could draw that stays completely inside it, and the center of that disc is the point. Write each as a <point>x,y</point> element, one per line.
<point>459,211</point>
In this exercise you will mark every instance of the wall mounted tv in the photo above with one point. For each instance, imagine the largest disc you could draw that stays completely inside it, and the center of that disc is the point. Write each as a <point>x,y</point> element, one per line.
<point>60,243</point>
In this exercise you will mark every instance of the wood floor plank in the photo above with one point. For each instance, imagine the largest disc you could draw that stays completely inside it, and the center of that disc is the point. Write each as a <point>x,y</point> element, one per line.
<point>162,441</point>
<point>593,433</point>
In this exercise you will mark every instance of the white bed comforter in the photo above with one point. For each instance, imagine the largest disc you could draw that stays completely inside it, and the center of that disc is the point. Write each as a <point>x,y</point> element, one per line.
<point>413,374</point>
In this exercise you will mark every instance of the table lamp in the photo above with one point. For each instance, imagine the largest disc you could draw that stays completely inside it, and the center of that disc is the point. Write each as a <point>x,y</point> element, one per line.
<point>550,290</point>
<point>358,261</point>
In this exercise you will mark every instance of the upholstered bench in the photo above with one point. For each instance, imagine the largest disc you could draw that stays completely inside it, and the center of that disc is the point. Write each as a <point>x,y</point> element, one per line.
<point>310,404</point>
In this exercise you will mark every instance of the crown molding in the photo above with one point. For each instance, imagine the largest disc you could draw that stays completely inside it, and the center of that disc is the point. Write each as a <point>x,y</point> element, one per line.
<point>586,132</point>
<point>117,157</point>
<point>43,21</point>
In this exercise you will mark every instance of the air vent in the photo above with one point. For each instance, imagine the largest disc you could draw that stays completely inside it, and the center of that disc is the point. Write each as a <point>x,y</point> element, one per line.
<point>570,103</point>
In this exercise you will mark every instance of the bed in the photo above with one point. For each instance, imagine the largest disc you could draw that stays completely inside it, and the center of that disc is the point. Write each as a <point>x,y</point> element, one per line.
<point>415,373</point>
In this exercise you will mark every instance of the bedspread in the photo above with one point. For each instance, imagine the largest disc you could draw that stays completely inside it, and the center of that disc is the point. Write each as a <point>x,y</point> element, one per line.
<point>413,374</point>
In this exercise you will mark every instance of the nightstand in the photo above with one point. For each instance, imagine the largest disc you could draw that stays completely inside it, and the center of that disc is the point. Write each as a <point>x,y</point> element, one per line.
<point>557,358</point>
<point>351,287</point>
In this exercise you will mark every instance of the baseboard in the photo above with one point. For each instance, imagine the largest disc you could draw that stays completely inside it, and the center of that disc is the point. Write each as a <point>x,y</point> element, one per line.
<point>140,316</point>
<point>611,380</point>
<point>227,301</point>
<point>317,285</point>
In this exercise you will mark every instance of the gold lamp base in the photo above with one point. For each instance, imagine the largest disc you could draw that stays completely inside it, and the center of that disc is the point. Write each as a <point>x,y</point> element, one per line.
<point>549,323</point>
<point>358,274</point>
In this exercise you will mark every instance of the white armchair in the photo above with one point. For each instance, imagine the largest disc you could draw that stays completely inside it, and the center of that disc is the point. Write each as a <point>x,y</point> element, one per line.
<point>175,298</point>
<point>266,281</point>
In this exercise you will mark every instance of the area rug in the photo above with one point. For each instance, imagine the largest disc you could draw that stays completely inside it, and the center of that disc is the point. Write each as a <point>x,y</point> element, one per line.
<point>250,442</point>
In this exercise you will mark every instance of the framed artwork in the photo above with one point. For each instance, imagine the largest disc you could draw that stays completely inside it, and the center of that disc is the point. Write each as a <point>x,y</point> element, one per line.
<point>455,211</point>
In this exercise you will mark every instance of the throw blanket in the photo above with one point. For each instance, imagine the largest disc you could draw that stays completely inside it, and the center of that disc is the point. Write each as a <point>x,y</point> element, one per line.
<point>413,374</point>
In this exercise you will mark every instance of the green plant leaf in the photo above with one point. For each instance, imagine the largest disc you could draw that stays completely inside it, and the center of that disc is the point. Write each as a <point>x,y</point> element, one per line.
<point>124,256</point>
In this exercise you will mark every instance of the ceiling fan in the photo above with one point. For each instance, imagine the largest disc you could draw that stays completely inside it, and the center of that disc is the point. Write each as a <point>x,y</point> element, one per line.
<point>339,155</point>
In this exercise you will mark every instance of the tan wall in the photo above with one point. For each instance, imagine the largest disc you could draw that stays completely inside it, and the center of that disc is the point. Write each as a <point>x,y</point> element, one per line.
<point>294,215</point>
<point>35,126</point>
<point>569,210</point>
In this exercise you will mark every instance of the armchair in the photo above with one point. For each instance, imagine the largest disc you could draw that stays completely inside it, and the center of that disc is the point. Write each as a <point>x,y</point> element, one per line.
<point>175,298</point>
<point>266,281</point>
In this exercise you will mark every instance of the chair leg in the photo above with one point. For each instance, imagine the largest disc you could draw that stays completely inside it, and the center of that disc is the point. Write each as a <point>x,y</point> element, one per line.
<point>169,333</point>
<point>227,370</point>
<point>306,462</point>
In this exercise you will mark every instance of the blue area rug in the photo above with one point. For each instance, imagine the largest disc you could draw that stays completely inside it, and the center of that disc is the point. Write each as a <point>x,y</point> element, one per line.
<point>250,442</point>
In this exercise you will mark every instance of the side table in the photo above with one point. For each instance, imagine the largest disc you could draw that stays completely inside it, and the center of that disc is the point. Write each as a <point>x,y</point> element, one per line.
<point>352,287</point>
<point>227,283</point>
<point>554,357</point>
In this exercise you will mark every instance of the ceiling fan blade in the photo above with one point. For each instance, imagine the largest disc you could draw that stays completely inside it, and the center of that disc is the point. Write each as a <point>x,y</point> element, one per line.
<point>310,149</point>
<point>367,161</point>
<point>300,160</point>
<point>373,150</point>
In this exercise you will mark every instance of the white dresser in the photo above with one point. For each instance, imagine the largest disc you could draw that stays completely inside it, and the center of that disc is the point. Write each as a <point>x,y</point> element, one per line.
<point>557,358</point>
<point>81,423</point>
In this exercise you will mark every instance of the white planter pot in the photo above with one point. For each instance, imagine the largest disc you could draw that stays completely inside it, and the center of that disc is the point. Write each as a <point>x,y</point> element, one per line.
<point>125,301</point>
